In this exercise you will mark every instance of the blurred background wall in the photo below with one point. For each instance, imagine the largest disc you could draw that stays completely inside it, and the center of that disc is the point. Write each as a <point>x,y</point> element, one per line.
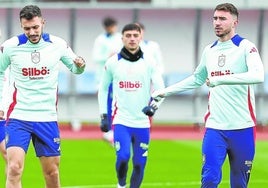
<point>182,28</point>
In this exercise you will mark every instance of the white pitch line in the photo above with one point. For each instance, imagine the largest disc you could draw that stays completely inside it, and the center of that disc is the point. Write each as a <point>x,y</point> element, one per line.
<point>156,184</point>
<point>162,184</point>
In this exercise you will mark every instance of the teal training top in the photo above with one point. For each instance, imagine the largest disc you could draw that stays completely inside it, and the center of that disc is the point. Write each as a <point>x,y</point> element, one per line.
<point>34,70</point>
<point>233,67</point>
<point>133,82</point>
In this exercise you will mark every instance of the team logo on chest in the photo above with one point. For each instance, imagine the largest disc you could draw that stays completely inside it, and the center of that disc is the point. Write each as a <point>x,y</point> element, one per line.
<point>221,60</point>
<point>35,57</point>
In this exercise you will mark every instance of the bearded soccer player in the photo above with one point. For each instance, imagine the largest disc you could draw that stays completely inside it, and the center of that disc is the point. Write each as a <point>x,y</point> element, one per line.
<point>2,115</point>
<point>33,58</point>
<point>230,67</point>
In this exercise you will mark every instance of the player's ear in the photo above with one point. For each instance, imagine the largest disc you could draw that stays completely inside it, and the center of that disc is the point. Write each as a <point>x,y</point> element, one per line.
<point>43,21</point>
<point>235,23</point>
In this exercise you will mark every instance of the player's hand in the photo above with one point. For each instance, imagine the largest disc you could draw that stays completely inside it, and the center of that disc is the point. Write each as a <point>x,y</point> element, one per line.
<point>104,125</point>
<point>149,110</point>
<point>209,82</point>
<point>80,62</point>
<point>158,95</point>
<point>154,105</point>
<point>2,113</point>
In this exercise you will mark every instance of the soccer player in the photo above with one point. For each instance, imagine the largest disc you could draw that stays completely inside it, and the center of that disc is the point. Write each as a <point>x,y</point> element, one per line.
<point>107,44</point>
<point>2,120</point>
<point>2,140</point>
<point>230,67</point>
<point>131,72</point>
<point>33,58</point>
<point>6,99</point>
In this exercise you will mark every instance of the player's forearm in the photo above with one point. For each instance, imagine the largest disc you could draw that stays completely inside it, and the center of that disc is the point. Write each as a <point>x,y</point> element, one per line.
<point>184,85</point>
<point>102,100</point>
<point>238,79</point>
<point>103,93</point>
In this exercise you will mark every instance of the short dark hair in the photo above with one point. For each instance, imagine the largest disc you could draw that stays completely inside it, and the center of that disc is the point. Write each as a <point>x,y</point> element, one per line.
<point>130,27</point>
<point>228,7</point>
<point>30,11</point>
<point>109,21</point>
<point>141,25</point>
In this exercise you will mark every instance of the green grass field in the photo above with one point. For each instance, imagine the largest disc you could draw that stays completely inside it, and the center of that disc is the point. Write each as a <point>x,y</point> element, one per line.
<point>171,164</point>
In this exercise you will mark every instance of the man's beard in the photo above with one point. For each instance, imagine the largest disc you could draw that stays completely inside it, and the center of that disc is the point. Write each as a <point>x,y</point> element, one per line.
<point>223,34</point>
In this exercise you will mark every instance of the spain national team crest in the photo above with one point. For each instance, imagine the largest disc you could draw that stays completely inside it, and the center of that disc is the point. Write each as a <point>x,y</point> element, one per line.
<point>35,56</point>
<point>221,60</point>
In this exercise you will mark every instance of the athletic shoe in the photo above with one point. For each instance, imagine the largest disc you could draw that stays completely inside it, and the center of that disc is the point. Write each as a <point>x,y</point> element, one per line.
<point>119,186</point>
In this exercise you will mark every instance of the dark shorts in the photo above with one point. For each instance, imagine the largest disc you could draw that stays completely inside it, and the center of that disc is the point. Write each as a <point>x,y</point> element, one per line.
<point>44,135</point>
<point>2,130</point>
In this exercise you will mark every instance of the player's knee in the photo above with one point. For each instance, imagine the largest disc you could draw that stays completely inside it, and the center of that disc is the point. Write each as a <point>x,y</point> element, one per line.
<point>122,169</point>
<point>137,168</point>
<point>52,175</point>
<point>210,178</point>
<point>209,182</point>
<point>14,169</point>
